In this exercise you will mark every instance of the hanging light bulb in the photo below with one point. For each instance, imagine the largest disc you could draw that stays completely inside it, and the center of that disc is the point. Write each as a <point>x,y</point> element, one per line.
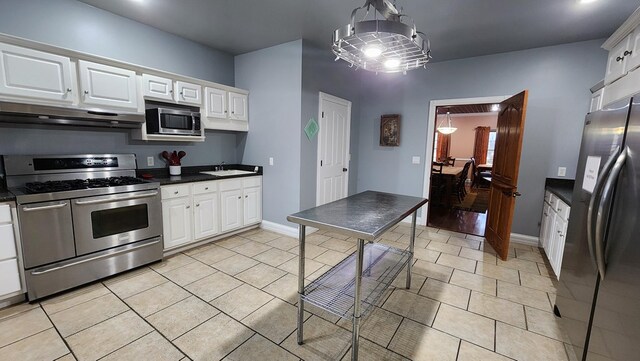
<point>446,128</point>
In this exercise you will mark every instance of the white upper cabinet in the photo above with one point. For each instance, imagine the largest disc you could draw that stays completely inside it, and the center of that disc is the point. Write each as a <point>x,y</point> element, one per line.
<point>617,61</point>
<point>238,106</point>
<point>188,93</point>
<point>633,55</point>
<point>107,86</point>
<point>215,102</point>
<point>35,75</point>
<point>156,87</point>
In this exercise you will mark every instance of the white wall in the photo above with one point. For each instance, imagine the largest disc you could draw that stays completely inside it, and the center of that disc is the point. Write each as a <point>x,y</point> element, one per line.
<point>558,79</point>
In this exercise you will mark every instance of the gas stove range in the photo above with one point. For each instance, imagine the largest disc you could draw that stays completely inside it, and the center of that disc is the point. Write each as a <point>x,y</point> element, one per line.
<point>39,179</point>
<point>82,218</point>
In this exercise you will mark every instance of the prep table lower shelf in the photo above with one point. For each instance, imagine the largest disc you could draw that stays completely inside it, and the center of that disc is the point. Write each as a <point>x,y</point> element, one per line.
<point>334,291</point>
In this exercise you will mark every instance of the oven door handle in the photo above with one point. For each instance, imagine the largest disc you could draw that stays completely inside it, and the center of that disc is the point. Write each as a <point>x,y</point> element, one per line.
<point>117,198</point>
<point>44,208</point>
<point>106,255</point>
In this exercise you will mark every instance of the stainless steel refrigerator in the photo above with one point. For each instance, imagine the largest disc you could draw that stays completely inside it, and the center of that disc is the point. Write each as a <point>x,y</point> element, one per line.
<point>599,288</point>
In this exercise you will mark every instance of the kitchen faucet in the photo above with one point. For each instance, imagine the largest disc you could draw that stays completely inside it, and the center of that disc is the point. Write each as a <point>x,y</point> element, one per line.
<point>222,166</point>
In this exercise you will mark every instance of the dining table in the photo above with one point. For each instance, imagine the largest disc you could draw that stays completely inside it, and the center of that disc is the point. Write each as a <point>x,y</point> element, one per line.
<point>449,176</point>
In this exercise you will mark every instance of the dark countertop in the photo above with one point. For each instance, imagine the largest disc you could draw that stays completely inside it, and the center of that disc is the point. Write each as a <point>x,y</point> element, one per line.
<point>6,196</point>
<point>364,215</point>
<point>192,174</point>
<point>562,188</point>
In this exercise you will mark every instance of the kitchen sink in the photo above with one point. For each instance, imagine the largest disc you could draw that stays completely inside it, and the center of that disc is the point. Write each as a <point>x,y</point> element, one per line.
<point>228,173</point>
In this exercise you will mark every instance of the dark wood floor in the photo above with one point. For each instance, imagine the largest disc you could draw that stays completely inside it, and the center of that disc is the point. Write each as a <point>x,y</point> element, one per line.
<point>457,220</point>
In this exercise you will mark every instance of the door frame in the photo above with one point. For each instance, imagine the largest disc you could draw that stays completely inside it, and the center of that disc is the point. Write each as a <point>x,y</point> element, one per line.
<point>325,96</point>
<point>431,130</point>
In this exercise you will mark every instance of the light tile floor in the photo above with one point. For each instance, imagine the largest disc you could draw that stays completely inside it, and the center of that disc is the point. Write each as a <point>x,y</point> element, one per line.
<point>235,299</point>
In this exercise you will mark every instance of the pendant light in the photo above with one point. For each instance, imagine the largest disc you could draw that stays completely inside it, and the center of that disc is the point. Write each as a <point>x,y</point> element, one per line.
<point>381,45</point>
<point>446,128</point>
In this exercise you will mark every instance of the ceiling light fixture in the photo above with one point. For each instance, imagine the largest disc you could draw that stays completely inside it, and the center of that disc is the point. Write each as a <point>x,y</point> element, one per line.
<point>448,128</point>
<point>586,1</point>
<point>381,45</point>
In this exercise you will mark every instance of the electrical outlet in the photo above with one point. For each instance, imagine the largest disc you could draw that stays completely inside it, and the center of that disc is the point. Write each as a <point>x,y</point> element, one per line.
<point>562,171</point>
<point>150,161</point>
<point>270,160</point>
<point>415,160</point>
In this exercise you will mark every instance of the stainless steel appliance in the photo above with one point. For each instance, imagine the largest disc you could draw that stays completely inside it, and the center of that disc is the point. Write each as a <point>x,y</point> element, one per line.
<point>599,290</point>
<point>173,121</point>
<point>82,218</point>
<point>43,114</point>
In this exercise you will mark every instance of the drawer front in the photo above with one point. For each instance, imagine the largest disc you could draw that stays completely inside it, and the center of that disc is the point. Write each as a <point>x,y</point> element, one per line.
<point>10,280</point>
<point>204,187</point>
<point>547,197</point>
<point>230,184</point>
<point>7,242</point>
<point>553,201</point>
<point>563,210</point>
<point>252,182</point>
<point>5,213</point>
<point>177,191</point>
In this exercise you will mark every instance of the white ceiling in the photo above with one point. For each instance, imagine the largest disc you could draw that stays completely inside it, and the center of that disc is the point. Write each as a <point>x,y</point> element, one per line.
<point>457,28</point>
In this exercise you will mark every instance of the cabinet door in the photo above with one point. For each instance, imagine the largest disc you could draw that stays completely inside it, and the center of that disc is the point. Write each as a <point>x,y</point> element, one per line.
<point>206,215</point>
<point>188,93</point>
<point>156,87</point>
<point>10,280</point>
<point>176,220</point>
<point>562,234</point>
<point>232,215</point>
<point>35,75</point>
<point>252,205</point>
<point>550,233</point>
<point>7,241</point>
<point>238,106</point>
<point>596,101</point>
<point>544,225</point>
<point>633,57</point>
<point>216,103</point>
<point>617,61</point>
<point>108,86</point>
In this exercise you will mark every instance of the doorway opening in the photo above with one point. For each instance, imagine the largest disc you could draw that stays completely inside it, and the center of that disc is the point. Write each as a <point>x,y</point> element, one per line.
<point>459,197</point>
<point>463,150</point>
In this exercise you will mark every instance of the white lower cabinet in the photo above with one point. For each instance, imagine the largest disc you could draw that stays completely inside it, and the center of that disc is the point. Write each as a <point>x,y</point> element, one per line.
<point>195,211</point>
<point>553,230</point>
<point>10,277</point>
<point>176,221</point>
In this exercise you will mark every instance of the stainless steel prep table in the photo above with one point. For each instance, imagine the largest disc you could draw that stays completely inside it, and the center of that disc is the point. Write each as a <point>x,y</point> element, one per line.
<point>347,290</point>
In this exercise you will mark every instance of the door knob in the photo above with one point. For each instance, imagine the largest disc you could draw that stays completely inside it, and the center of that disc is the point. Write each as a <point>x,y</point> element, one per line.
<point>516,194</point>
<point>344,169</point>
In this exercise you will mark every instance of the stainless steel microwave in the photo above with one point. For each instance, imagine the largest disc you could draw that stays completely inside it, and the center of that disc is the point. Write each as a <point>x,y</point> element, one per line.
<point>167,121</point>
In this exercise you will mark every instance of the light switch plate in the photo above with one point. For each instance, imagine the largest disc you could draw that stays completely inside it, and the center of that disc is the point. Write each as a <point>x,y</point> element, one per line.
<point>149,161</point>
<point>415,160</point>
<point>270,160</point>
<point>562,171</point>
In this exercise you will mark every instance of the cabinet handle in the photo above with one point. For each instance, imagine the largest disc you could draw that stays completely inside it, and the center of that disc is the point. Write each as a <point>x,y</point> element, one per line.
<point>247,196</point>
<point>171,91</point>
<point>619,59</point>
<point>628,52</point>
<point>181,93</point>
<point>68,90</point>
<point>86,92</point>
<point>176,192</point>
<point>206,188</point>
<point>197,205</point>
<point>239,197</point>
<point>187,207</point>
<point>546,215</point>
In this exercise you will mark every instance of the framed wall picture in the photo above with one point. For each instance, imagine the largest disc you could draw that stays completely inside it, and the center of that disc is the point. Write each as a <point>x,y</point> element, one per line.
<point>390,130</point>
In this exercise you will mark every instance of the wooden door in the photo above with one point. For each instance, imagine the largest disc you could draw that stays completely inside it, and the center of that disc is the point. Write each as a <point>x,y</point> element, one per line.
<point>333,149</point>
<point>504,178</point>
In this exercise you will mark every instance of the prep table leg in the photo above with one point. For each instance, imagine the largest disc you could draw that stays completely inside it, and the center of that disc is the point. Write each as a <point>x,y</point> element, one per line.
<point>301,236</point>
<point>412,242</point>
<point>356,305</point>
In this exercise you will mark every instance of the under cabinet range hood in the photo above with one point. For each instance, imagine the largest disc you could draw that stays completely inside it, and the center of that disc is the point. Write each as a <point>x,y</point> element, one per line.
<point>43,114</point>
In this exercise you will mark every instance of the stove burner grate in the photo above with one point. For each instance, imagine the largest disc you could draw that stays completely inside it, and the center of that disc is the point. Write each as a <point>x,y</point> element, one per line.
<point>75,184</point>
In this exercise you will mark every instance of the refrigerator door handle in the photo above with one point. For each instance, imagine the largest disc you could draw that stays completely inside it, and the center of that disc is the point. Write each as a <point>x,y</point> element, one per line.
<point>604,209</point>
<point>591,224</point>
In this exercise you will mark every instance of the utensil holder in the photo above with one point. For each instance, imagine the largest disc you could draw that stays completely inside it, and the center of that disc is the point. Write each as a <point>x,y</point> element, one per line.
<point>175,170</point>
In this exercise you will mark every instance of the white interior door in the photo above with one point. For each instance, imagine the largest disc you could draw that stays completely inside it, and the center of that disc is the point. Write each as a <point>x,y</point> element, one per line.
<point>333,148</point>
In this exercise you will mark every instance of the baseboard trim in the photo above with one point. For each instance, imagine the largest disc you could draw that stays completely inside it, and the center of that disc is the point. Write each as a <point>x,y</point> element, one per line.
<point>284,230</point>
<point>524,239</point>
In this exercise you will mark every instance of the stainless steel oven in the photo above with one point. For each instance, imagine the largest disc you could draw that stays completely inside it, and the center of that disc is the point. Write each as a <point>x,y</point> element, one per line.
<point>169,121</point>
<point>107,221</point>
